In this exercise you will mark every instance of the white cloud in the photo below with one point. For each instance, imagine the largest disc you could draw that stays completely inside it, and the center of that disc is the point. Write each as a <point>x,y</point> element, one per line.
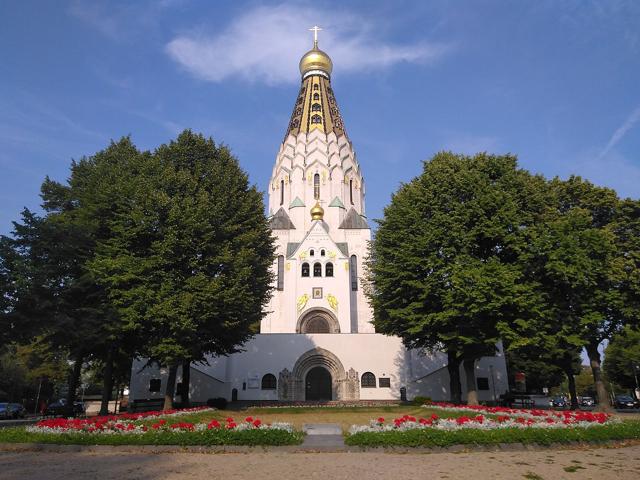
<point>469,144</point>
<point>124,21</point>
<point>621,132</point>
<point>611,170</point>
<point>98,16</point>
<point>266,43</point>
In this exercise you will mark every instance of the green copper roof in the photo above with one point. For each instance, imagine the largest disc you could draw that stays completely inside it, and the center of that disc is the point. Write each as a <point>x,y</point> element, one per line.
<point>296,203</point>
<point>336,202</point>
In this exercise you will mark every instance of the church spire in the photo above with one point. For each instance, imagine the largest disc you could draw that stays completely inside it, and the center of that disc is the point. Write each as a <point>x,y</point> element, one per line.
<point>316,107</point>
<point>315,29</point>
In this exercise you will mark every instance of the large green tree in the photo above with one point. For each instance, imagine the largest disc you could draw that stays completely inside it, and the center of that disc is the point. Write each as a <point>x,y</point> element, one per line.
<point>622,358</point>
<point>582,259</point>
<point>189,265</point>
<point>541,367</point>
<point>56,300</point>
<point>592,271</point>
<point>8,292</point>
<point>101,189</point>
<point>444,266</point>
<point>55,296</point>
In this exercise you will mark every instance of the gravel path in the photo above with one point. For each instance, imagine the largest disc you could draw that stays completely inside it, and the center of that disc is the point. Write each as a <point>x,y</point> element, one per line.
<point>597,463</point>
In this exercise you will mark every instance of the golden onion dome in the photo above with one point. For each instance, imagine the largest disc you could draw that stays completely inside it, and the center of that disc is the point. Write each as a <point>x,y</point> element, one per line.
<point>317,212</point>
<point>315,59</point>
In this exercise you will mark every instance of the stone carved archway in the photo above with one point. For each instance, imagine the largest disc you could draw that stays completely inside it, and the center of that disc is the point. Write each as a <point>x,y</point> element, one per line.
<point>345,385</point>
<point>310,320</point>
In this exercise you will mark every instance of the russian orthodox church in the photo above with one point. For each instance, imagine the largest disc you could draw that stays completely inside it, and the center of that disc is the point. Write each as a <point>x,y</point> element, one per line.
<point>318,343</point>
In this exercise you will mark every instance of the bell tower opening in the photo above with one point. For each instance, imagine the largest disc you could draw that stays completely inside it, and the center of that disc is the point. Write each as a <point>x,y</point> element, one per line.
<point>318,321</point>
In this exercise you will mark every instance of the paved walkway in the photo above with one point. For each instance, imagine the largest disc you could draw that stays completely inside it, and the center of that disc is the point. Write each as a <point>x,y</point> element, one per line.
<point>598,463</point>
<point>323,436</point>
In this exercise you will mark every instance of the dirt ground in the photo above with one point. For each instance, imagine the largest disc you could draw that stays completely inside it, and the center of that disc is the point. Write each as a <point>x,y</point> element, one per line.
<point>597,463</point>
<point>298,417</point>
<point>344,416</point>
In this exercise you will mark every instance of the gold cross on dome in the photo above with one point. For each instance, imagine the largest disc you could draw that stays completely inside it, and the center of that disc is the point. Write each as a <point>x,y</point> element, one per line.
<point>315,31</point>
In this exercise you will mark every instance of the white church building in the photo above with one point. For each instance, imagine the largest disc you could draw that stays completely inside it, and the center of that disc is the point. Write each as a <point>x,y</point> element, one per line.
<point>318,343</point>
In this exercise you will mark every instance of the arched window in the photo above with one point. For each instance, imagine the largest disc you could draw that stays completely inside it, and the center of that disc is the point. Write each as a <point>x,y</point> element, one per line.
<point>316,96</point>
<point>328,270</point>
<point>316,119</point>
<point>305,269</point>
<point>353,270</point>
<point>317,325</point>
<point>316,107</point>
<point>368,380</point>
<point>312,252</point>
<point>281,192</point>
<point>351,191</point>
<point>280,272</point>
<point>317,269</point>
<point>322,252</point>
<point>269,382</point>
<point>316,87</point>
<point>316,186</point>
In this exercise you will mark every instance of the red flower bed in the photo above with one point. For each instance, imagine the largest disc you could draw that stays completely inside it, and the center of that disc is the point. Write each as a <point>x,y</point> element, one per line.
<point>550,416</point>
<point>109,422</point>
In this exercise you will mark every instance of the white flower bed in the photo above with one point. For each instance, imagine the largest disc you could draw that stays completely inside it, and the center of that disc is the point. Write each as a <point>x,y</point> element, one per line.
<point>488,418</point>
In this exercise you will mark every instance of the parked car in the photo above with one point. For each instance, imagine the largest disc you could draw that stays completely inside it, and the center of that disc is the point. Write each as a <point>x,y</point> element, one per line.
<point>587,402</point>
<point>60,408</point>
<point>16,410</point>
<point>4,411</point>
<point>625,401</point>
<point>559,402</point>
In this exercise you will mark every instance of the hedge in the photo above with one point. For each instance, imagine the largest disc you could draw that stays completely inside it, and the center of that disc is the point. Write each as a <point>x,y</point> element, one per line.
<point>205,437</point>
<point>542,436</point>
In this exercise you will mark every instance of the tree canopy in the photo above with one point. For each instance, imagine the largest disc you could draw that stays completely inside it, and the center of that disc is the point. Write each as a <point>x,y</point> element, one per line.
<point>622,358</point>
<point>164,254</point>
<point>475,251</point>
<point>444,270</point>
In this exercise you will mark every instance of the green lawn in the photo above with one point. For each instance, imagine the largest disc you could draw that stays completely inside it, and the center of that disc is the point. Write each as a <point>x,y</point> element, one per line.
<point>298,416</point>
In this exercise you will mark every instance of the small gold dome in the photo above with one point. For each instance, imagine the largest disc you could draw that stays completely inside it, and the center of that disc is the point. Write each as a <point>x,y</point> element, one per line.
<point>317,212</point>
<point>315,59</point>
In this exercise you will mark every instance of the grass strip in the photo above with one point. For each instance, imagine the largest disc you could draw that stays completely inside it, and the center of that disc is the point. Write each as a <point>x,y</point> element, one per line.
<point>205,437</point>
<point>441,438</point>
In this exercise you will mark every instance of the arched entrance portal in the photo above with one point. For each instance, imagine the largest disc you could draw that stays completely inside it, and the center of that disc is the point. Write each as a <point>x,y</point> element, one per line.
<point>318,375</point>
<point>318,384</point>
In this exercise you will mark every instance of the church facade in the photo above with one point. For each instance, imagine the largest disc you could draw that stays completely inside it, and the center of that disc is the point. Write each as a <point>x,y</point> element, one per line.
<point>318,343</point>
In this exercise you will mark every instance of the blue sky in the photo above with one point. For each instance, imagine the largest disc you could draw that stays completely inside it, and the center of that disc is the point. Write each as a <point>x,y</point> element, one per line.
<point>555,82</point>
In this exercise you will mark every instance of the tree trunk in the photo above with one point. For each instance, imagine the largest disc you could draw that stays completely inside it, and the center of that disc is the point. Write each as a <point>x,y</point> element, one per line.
<point>74,380</point>
<point>186,383</point>
<point>118,403</point>
<point>107,383</point>
<point>572,388</point>
<point>470,374</point>
<point>455,388</point>
<point>171,388</point>
<point>601,391</point>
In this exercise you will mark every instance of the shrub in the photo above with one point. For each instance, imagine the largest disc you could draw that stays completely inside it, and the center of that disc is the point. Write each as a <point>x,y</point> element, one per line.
<point>421,400</point>
<point>441,438</point>
<point>218,436</point>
